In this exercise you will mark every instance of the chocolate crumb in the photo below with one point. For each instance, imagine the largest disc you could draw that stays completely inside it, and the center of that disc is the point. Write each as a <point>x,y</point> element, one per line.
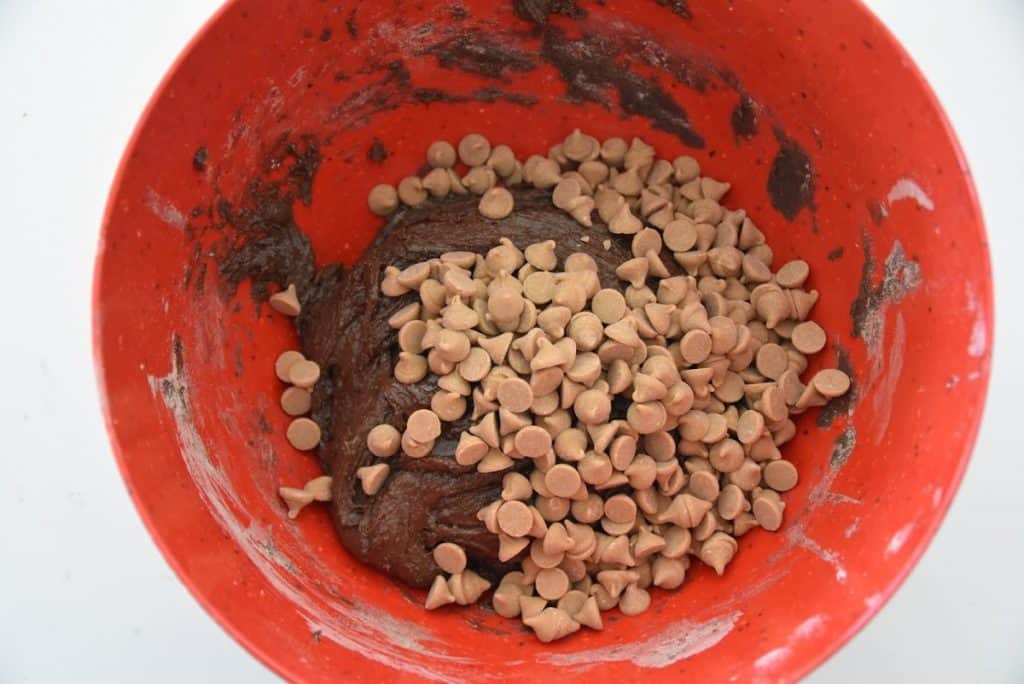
<point>199,159</point>
<point>377,152</point>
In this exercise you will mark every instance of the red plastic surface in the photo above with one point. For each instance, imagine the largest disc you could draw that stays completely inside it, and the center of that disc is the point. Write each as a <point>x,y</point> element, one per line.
<point>200,439</point>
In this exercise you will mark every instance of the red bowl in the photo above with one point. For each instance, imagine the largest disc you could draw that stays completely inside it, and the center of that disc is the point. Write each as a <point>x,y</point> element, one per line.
<point>834,144</point>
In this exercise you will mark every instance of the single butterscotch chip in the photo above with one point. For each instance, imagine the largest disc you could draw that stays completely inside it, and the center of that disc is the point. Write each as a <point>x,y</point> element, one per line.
<point>383,441</point>
<point>717,551</point>
<point>565,191</point>
<point>750,427</point>
<point>295,499</point>
<point>423,426</point>
<point>592,407</point>
<point>479,180</point>
<point>474,149</point>
<point>438,183</point>
<point>514,518</point>
<point>695,346</point>
<point>441,154</point>
<point>296,401</point>
<point>562,480</point>
<point>808,337</point>
<point>304,374</point>
<point>450,557</point>
<point>646,417</point>
<point>411,191</point>
<point>780,475</point>
<point>772,361</point>
<point>286,302</point>
<point>767,510</point>
<point>634,600</point>
<point>793,274</point>
<point>532,441</point>
<point>831,382</point>
<point>475,366</point>
<point>496,203</point>
<point>439,594</point>
<point>503,160</point>
<point>303,434</point>
<point>551,583</point>
<point>382,199</point>
<point>372,477</point>
<point>727,455</point>
<point>411,368</point>
<point>452,346</point>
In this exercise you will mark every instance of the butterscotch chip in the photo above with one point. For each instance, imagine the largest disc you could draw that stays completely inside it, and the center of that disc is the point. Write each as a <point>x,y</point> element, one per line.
<point>383,441</point>
<point>780,475</point>
<point>296,499</point>
<point>717,551</point>
<point>437,182</point>
<point>474,149</point>
<point>475,366</point>
<point>704,485</point>
<point>439,594</point>
<point>773,404</point>
<point>552,583</point>
<point>768,512</point>
<point>296,401</point>
<point>532,441</point>
<point>452,346</point>
<point>830,382</point>
<point>609,306</point>
<point>410,336</point>
<point>441,154</point>
<point>411,368</point>
<point>450,557</point>
<point>286,302</point>
<point>646,417</point>
<point>449,406</point>
<point>540,287</point>
<point>772,360</point>
<point>695,346</point>
<point>304,374</point>
<point>372,477</point>
<point>595,469</point>
<point>479,180</point>
<point>808,337</point>
<point>411,191</point>
<point>303,434</point>
<point>731,502</point>
<point>620,509</point>
<point>750,427</point>
<point>592,407</point>
<point>727,455</point>
<point>515,518</point>
<point>793,274</point>
<point>634,600</point>
<point>503,160</point>
<point>562,480</point>
<point>382,199</point>
<point>586,331</point>
<point>496,203</point>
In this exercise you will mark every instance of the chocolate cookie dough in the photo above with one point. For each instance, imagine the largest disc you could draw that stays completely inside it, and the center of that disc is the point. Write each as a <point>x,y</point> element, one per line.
<point>344,329</point>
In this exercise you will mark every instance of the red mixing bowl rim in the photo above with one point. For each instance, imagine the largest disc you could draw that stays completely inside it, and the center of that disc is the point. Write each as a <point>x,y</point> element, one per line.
<point>801,669</point>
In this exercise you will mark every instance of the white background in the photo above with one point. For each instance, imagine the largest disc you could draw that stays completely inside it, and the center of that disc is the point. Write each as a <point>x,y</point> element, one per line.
<point>85,595</point>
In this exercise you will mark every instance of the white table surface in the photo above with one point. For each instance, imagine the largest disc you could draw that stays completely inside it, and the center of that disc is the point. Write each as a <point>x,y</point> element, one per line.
<point>84,594</point>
